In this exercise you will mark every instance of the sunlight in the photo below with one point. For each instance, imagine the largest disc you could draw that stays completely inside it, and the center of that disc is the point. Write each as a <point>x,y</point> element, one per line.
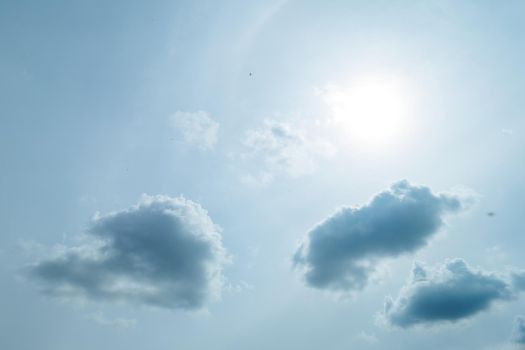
<point>371,113</point>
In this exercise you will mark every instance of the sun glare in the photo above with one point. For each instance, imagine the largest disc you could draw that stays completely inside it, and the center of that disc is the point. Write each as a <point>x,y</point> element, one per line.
<point>370,113</point>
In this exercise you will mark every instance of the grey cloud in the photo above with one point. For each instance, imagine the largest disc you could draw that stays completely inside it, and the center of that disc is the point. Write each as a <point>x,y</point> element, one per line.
<point>518,333</point>
<point>449,293</point>
<point>164,252</point>
<point>341,252</point>
<point>518,280</point>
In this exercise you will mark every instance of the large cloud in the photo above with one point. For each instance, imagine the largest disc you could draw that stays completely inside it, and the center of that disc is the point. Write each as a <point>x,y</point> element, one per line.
<point>341,252</point>
<point>449,293</point>
<point>518,333</point>
<point>164,252</point>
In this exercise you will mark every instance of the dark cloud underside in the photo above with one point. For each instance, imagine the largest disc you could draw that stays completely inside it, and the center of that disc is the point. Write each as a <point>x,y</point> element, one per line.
<point>342,251</point>
<point>164,252</point>
<point>449,293</point>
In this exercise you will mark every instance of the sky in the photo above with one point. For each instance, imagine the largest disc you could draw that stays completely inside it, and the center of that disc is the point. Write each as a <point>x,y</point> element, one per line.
<point>262,174</point>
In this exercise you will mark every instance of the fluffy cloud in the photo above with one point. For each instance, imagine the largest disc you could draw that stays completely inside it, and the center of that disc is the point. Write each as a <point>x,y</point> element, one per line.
<point>518,333</point>
<point>341,252</point>
<point>196,128</point>
<point>164,252</point>
<point>449,293</point>
<point>284,147</point>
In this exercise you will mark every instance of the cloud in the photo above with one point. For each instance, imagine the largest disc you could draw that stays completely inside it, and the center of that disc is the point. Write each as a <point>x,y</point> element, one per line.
<point>518,280</point>
<point>284,147</point>
<point>164,252</point>
<point>257,181</point>
<point>449,293</point>
<point>368,338</point>
<point>518,333</point>
<point>196,128</point>
<point>342,252</point>
<point>118,323</point>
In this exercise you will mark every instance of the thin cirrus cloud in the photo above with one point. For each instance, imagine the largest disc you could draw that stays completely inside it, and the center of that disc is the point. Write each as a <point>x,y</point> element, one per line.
<point>197,129</point>
<point>117,323</point>
<point>342,252</point>
<point>518,332</point>
<point>449,293</point>
<point>282,147</point>
<point>164,252</point>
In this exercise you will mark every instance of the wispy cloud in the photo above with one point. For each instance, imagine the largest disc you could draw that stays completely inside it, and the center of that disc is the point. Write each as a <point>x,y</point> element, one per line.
<point>368,338</point>
<point>118,323</point>
<point>518,332</point>
<point>196,128</point>
<point>284,147</point>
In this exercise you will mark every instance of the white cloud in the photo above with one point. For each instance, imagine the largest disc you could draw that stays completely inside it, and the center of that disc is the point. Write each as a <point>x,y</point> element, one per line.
<point>282,147</point>
<point>196,128</point>
<point>257,180</point>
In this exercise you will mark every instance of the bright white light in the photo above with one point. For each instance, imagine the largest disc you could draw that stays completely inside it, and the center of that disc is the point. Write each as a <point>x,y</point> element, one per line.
<point>371,113</point>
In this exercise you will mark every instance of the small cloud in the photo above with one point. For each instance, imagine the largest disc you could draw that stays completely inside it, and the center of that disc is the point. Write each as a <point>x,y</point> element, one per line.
<point>196,128</point>
<point>448,293</point>
<point>342,252</point>
<point>164,252</point>
<point>257,180</point>
<point>236,288</point>
<point>284,147</point>
<point>368,338</point>
<point>118,323</point>
<point>508,132</point>
<point>518,332</point>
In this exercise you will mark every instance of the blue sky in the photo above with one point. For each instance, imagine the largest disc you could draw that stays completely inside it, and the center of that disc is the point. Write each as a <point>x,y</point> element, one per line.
<point>263,174</point>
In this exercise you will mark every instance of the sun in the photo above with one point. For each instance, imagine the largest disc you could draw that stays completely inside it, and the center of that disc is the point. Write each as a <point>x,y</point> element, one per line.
<point>371,113</point>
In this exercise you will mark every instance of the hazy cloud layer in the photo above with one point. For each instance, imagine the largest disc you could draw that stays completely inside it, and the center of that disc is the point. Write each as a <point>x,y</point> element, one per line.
<point>449,293</point>
<point>164,252</point>
<point>284,147</point>
<point>196,128</point>
<point>518,333</point>
<point>342,252</point>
